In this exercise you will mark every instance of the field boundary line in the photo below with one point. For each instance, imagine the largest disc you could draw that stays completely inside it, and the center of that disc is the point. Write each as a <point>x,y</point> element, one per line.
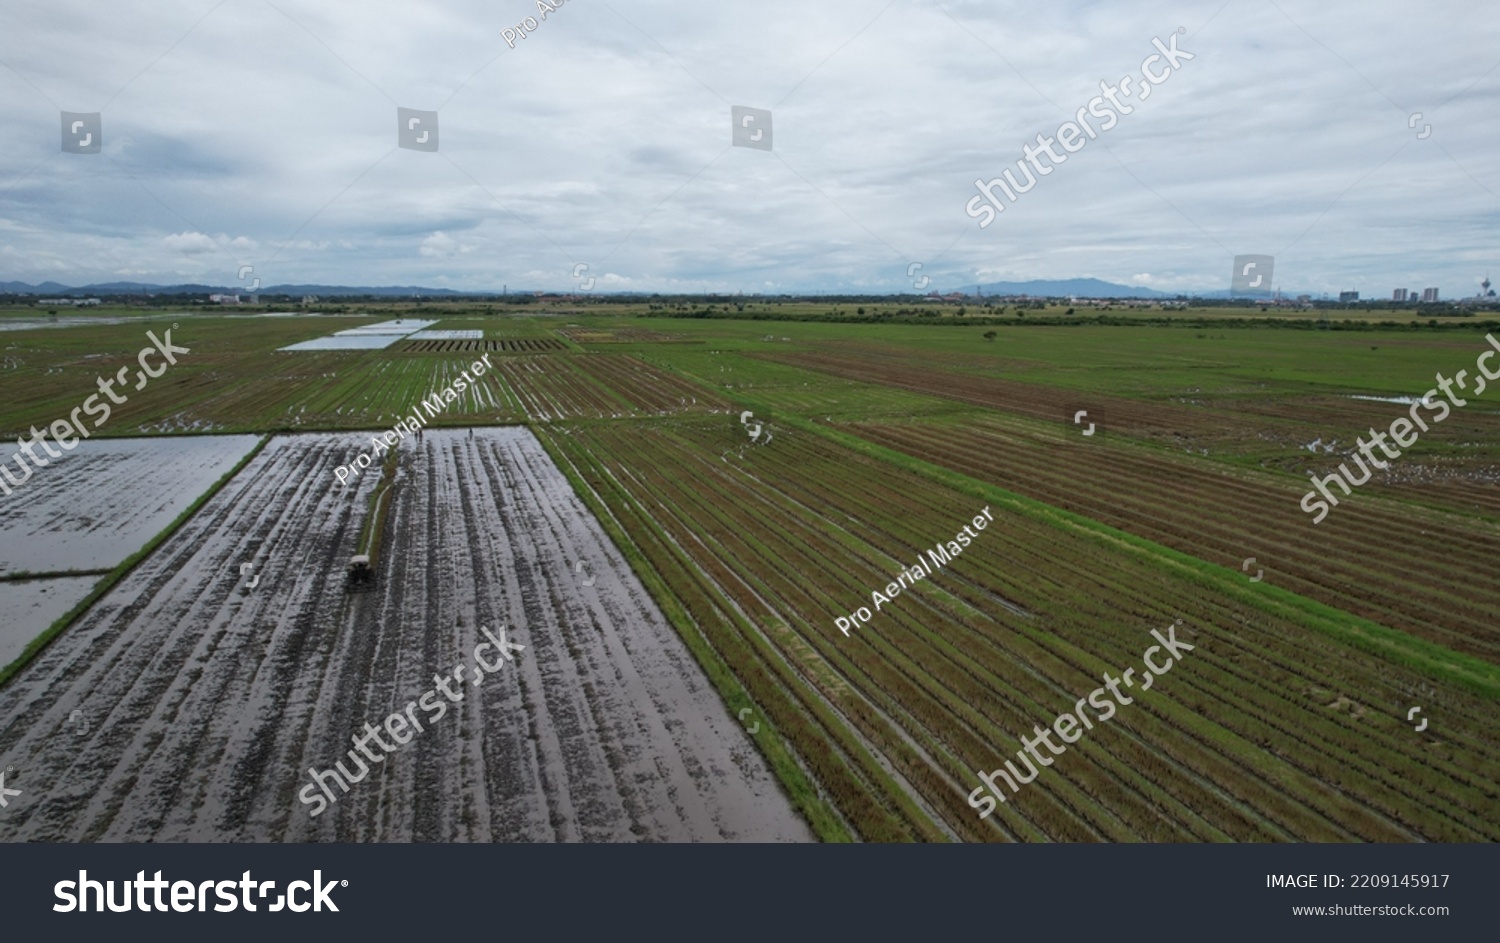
<point>23,576</point>
<point>826,822</point>
<point>117,574</point>
<point>857,761</point>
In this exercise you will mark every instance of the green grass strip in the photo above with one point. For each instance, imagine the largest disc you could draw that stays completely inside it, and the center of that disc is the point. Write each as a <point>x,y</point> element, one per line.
<point>114,576</point>
<point>23,576</point>
<point>373,531</point>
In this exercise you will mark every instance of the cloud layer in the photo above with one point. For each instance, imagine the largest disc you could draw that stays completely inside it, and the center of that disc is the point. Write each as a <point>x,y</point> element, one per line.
<point>263,133</point>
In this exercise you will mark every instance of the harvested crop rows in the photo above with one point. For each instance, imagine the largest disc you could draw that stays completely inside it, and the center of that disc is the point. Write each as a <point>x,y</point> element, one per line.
<point>1360,559</point>
<point>1274,429</point>
<point>1158,421</point>
<point>600,386</point>
<point>583,335</point>
<point>1271,730</point>
<point>531,345</point>
<point>312,390</point>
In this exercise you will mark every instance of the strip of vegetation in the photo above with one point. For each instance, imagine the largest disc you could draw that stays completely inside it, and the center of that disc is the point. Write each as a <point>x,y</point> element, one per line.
<point>114,576</point>
<point>380,502</point>
<point>21,576</point>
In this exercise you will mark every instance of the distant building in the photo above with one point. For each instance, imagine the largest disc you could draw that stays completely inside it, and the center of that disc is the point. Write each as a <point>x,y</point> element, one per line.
<point>73,302</point>
<point>1429,294</point>
<point>1345,296</point>
<point>309,299</point>
<point>224,299</point>
<point>1399,294</point>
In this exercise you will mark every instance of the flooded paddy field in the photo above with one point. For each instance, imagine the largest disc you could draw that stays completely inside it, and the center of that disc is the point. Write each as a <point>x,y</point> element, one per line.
<point>102,501</point>
<point>86,512</point>
<point>30,606</point>
<point>209,701</point>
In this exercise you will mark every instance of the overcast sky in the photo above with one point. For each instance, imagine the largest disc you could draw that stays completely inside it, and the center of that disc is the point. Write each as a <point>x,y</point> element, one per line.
<point>260,133</point>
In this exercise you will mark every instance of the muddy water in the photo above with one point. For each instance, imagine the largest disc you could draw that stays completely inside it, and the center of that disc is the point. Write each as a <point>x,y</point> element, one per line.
<point>208,701</point>
<point>27,607</point>
<point>32,324</point>
<point>99,503</point>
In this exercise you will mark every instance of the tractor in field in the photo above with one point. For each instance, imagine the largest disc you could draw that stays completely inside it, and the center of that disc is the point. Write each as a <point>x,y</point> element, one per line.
<point>359,577</point>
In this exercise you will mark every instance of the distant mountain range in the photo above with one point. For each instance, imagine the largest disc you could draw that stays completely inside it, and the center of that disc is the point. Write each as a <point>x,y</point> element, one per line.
<point>1067,288</point>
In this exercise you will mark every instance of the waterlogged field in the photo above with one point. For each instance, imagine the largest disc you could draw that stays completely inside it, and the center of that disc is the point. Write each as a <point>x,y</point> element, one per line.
<point>97,504</point>
<point>209,700</point>
<point>1290,720</point>
<point>30,606</point>
<point>86,511</point>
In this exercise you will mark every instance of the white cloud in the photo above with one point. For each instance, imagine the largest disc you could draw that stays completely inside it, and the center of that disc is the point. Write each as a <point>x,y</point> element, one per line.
<point>597,142</point>
<point>440,245</point>
<point>197,243</point>
<point>191,243</point>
